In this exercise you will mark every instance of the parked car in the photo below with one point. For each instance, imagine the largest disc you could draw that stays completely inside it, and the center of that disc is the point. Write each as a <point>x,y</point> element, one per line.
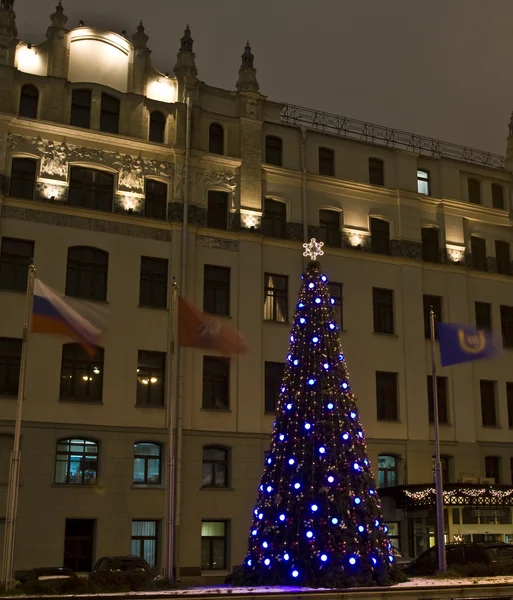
<point>400,559</point>
<point>461,554</point>
<point>46,574</point>
<point>133,569</point>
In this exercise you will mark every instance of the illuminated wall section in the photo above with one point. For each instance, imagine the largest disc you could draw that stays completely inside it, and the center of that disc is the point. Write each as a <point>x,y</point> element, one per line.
<point>161,88</point>
<point>99,57</point>
<point>30,60</point>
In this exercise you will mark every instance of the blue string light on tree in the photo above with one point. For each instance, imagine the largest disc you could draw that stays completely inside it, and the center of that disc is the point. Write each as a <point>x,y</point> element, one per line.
<point>307,528</point>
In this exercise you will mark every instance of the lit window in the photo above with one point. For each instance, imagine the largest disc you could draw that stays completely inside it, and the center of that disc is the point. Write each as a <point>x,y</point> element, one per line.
<point>76,462</point>
<point>145,541</point>
<point>387,471</point>
<point>81,374</point>
<point>151,371</point>
<point>423,184</point>
<point>215,467</point>
<point>147,463</point>
<point>213,545</point>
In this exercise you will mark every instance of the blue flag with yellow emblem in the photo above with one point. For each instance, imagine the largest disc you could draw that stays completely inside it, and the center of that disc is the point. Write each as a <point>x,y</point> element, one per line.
<point>463,343</point>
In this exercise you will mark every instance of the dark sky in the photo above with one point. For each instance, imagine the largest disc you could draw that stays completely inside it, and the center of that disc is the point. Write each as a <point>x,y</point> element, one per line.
<point>442,68</point>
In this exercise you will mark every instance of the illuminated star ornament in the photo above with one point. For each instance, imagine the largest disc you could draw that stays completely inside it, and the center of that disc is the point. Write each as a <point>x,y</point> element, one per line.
<point>313,249</point>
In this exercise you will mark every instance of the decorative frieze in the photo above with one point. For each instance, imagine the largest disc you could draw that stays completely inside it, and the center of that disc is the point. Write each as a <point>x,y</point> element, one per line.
<point>206,241</point>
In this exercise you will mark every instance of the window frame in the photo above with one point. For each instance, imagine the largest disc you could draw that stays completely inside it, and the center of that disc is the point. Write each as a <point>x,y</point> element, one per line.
<point>218,202</point>
<point>147,458</point>
<point>498,199</point>
<point>376,171</point>
<point>19,264</point>
<point>490,467</point>
<point>274,222</point>
<point>442,388</point>
<point>509,401</point>
<point>383,311</point>
<point>79,270</point>
<point>385,471</point>
<point>80,112</point>
<point>483,315</point>
<point>155,199</point>
<point>326,160</point>
<point>148,373</point>
<point>218,381</point>
<point>273,153</point>
<point>157,127</point>
<point>25,179</point>
<point>478,253</point>
<point>388,390</point>
<point>216,138</point>
<point>149,279</point>
<point>502,257</point>
<point>506,313</point>
<point>27,101</point>
<point>474,190</point>
<point>143,539</point>
<point>272,385</point>
<point>224,566</point>
<point>216,290</point>
<point>10,361</point>
<point>276,298</point>
<point>84,454</point>
<point>430,251</point>
<point>423,177</point>
<point>110,116</point>
<point>81,361</point>
<point>380,236</point>
<point>330,229</point>
<point>437,302</point>
<point>213,463</point>
<point>94,194</point>
<point>486,412</point>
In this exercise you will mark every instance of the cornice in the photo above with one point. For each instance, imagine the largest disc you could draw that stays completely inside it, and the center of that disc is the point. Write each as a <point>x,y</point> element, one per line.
<point>83,137</point>
<point>477,212</point>
<point>216,159</point>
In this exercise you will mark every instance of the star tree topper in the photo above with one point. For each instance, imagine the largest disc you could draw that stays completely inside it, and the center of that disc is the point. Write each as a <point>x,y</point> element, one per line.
<point>313,249</point>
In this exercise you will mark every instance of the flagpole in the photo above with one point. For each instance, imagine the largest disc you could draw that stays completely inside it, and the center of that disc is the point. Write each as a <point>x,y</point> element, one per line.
<point>14,469</point>
<point>438,466</point>
<point>171,441</point>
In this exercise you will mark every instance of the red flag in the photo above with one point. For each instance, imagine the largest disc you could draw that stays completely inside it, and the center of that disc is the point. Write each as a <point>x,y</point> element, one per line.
<point>201,330</point>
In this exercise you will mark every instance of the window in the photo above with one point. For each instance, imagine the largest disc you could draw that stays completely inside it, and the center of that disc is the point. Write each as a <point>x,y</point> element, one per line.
<point>145,541</point>
<point>215,467</point>
<point>10,359</point>
<point>276,298</point>
<point>443,404</point>
<point>497,196</point>
<point>151,378</point>
<point>430,244</point>
<point>445,463</point>
<point>86,274</point>
<point>273,379</point>
<point>273,150</point>
<point>423,183</point>
<point>483,312</point>
<point>386,396</point>
<point>23,178</point>
<point>509,398</point>
<point>380,236</point>
<point>76,462</point>
<point>157,127</point>
<point>155,199</point>
<point>15,257</point>
<point>326,162</point>
<point>81,374</point>
<point>29,98</point>
<point>478,253</point>
<point>435,303</point>
<point>153,282</point>
<point>90,188</point>
<point>216,290</point>
<point>216,383</point>
<point>507,326</point>
<point>383,306</point>
<point>335,291</point>
<point>502,258</point>
<point>474,191</point>
<point>213,545</point>
<point>80,108</point>
<point>387,471</point>
<point>329,228</point>
<point>492,468</point>
<point>109,114</point>
<point>147,463</point>
<point>488,407</point>
<point>274,221</point>
<point>216,139</point>
<point>217,210</point>
<point>376,171</point>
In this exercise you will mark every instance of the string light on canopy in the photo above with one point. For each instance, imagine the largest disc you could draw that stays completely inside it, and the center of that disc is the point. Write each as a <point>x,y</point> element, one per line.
<point>317,519</point>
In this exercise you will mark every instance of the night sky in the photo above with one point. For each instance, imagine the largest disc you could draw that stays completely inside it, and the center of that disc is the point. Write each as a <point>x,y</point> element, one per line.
<point>441,68</point>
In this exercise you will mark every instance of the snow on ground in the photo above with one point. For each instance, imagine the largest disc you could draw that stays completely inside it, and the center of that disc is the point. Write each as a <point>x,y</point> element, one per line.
<point>434,581</point>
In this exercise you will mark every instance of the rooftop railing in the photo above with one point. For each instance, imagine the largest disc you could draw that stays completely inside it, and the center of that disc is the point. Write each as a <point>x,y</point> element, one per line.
<point>384,136</point>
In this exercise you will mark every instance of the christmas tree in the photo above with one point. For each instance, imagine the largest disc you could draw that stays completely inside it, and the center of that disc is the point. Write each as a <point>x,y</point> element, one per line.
<point>317,519</point>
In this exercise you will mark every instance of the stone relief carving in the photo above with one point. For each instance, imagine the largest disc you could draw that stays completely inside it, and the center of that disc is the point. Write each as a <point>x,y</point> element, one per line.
<point>217,243</point>
<point>208,178</point>
<point>179,181</point>
<point>56,156</point>
<point>251,108</point>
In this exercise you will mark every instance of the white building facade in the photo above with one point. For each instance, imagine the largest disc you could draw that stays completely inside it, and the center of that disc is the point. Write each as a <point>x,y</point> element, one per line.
<point>115,178</point>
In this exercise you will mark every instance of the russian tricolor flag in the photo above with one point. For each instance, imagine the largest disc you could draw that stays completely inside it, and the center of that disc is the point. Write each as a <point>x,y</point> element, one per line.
<point>54,314</point>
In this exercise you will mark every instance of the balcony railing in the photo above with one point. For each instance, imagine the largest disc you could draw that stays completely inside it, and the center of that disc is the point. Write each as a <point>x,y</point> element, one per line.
<point>384,136</point>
